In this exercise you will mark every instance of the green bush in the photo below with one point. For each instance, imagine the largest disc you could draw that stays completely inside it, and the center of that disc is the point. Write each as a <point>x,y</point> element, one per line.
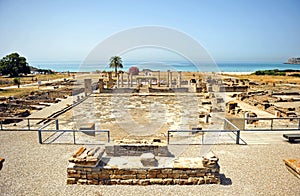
<point>274,72</point>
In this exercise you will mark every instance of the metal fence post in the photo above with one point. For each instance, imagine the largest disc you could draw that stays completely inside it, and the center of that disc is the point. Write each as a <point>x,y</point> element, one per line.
<point>272,124</point>
<point>74,140</point>
<point>238,137</point>
<point>56,124</point>
<point>108,136</point>
<point>28,123</point>
<point>40,136</point>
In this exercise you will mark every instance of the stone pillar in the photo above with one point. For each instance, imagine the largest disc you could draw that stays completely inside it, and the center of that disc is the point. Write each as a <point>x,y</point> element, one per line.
<point>110,82</point>
<point>246,116</point>
<point>128,84</point>
<point>170,79</point>
<point>101,85</point>
<point>150,83</point>
<point>130,79</point>
<point>158,78</point>
<point>118,80</point>
<point>179,80</point>
<point>88,86</point>
<point>122,79</point>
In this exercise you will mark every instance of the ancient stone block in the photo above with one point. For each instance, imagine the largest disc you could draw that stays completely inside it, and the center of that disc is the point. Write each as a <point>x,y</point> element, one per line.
<point>166,171</point>
<point>148,160</point>
<point>151,175</point>
<point>142,171</point>
<point>167,181</point>
<point>126,177</point>
<point>201,181</point>
<point>75,175</point>
<point>104,176</point>
<point>180,181</point>
<point>162,175</point>
<point>193,180</point>
<point>71,180</point>
<point>114,181</point>
<point>156,181</point>
<point>126,182</point>
<point>82,181</point>
<point>144,182</point>
<point>141,176</point>
<point>116,176</point>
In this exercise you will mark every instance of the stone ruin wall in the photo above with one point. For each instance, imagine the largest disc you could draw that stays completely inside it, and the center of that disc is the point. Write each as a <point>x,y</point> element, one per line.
<point>144,176</point>
<point>89,167</point>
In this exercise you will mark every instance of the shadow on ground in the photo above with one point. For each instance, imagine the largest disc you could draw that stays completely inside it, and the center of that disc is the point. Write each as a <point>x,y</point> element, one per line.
<point>224,180</point>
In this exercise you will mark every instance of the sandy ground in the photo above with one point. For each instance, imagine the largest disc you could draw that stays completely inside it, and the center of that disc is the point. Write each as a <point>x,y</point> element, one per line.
<point>34,169</point>
<point>254,169</point>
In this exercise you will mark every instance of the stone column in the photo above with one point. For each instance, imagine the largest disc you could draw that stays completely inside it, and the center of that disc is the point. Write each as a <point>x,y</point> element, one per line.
<point>118,78</point>
<point>170,79</point>
<point>88,86</point>
<point>101,85</point>
<point>158,78</point>
<point>121,79</point>
<point>179,80</point>
<point>130,79</point>
<point>128,84</point>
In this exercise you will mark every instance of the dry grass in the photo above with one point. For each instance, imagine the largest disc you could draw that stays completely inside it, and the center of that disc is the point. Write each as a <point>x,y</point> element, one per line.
<point>266,78</point>
<point>32,78</point>
<point>19,92</point>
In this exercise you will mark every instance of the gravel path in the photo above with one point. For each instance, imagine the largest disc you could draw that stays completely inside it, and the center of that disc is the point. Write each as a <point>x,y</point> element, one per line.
<point>34,169</point>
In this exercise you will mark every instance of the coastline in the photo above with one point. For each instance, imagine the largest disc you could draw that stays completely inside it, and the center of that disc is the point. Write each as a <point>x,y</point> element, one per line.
<point>164,66</point>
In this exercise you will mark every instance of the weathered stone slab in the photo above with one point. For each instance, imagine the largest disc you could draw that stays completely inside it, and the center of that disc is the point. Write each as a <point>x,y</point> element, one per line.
<point>148,160</point>
<point>293,166</point>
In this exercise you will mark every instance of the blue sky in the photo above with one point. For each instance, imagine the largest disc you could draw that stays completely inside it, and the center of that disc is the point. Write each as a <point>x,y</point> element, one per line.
<point>231,30</point>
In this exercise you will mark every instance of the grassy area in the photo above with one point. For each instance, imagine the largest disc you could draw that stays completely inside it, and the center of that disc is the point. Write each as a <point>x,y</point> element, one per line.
<point>5,81</point>
<point>17,92</point>
<point>269,78</point>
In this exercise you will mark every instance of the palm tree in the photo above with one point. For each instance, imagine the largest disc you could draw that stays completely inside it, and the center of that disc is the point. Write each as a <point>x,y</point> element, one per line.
<point>116,62</point>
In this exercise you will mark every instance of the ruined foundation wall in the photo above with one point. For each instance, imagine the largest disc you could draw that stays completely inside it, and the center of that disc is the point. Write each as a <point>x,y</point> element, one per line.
<point>129,176</point>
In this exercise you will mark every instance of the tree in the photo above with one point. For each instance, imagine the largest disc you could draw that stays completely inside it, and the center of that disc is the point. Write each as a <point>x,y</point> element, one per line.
<point>115,62</point>
<point>14,65</point>
<point>17,81</point>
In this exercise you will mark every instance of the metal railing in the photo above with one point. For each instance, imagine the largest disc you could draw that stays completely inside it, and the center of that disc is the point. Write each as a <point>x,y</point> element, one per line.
<point>272,123</point>
<point>203,133</point>
<point>41,141</point>
<point>29,124</point>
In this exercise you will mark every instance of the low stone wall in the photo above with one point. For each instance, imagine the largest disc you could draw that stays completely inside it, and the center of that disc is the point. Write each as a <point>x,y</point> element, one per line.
<point>89,167</point>
<point>168,90</point>
<point>129,176</point>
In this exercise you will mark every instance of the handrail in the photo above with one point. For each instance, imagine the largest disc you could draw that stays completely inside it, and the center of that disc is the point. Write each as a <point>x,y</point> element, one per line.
<point>72,131</point>
<point>51,119</point>
<point>203,131</point>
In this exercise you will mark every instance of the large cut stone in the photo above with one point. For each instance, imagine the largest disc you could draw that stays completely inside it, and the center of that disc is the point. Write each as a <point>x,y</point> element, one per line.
<point>148,160</point>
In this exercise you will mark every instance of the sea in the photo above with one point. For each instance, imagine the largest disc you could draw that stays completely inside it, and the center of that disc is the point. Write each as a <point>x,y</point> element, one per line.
<point>77,66</point>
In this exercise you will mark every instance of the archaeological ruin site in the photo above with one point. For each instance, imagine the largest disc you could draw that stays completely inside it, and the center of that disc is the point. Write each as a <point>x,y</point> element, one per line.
<point>156,127</point>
